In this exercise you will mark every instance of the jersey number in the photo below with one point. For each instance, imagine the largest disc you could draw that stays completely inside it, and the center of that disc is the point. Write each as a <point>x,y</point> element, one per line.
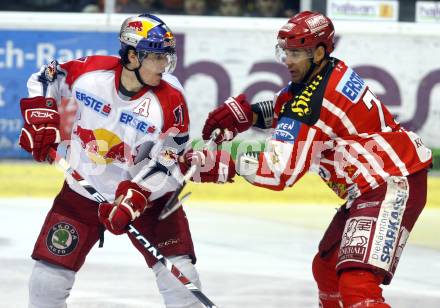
<point>178,116</point>
<point>369,100</point>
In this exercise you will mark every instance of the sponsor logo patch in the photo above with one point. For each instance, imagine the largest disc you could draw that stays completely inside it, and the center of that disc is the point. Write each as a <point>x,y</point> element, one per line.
<point>136,25</point>
<point>316,23</point>
<point>62,239</point>
<point>306,105</point>
<point>386,235</point>
<point>36,114</point>
<point>287,130</point>
<point>49,103</point>
<point>93,103</point>
<point>355,239</point>
<point>367,204</point>
<point>392,228</point>
<point>351,86</point>
<point>236,110</point>
<point>169,242</point>
<point>136,122</point>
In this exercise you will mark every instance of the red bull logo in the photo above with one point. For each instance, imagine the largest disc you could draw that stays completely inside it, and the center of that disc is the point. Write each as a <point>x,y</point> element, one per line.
<point>120,152</point>
<point>88,140</point>
<point>169,40</point>
<point>103,146</point>
<point>137,25</point>
<point>169,43</point>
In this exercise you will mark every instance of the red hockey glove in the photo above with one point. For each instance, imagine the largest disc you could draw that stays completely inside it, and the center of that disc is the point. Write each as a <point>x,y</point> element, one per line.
<point>212,166</point>
<point>41,126</point>
<point>233,117</point>
<point>130,202</point>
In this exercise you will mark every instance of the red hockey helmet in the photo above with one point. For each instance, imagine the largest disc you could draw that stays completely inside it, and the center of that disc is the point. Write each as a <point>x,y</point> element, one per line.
<point>307,30</point>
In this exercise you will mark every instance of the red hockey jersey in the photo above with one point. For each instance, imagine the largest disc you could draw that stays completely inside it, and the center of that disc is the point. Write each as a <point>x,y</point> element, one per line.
<point>336,127</point>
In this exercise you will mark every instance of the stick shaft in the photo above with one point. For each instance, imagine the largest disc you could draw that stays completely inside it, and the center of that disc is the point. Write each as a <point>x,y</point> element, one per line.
<point>132,230</point>
<point>172,204</point>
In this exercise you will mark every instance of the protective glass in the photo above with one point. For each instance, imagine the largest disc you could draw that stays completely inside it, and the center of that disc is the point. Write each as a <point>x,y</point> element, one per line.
<point>292,55</point>
<point>170,58</point>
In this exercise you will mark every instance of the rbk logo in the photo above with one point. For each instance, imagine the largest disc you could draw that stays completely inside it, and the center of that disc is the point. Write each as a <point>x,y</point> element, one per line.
<point>42,114</point>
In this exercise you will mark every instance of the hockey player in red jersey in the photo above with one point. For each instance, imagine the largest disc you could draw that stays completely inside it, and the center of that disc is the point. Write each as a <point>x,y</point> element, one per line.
<point>327,120</point>
<point>132,115</point>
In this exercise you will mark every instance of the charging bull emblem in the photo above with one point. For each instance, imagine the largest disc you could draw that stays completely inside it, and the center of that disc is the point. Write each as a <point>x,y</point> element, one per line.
<point>103,146</point>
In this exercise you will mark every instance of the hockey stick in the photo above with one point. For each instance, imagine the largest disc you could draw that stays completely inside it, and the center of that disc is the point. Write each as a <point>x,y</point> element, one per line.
<point>132,230</point>
<point>173,202</point>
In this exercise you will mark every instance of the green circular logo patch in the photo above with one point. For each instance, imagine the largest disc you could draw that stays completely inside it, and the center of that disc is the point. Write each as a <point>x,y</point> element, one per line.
<point>62,239</point>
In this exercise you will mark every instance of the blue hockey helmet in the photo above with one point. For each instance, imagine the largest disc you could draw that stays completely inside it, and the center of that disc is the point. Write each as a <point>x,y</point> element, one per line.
<point>145,34</point>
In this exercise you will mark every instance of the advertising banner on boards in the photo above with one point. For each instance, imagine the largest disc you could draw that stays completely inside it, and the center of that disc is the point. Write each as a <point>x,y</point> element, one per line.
<point>366,10</point>
<point>428,11</point>
<point>23,53</point>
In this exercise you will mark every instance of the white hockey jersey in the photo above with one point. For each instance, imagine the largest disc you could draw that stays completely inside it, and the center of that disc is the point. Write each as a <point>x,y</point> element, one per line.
<point>114,137</point>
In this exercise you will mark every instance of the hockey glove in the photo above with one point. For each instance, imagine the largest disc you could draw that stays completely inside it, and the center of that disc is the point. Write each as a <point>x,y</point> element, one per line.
<point>130,202</point>
<point>212,166</point>
<point>233,117</point>
<point>41,126</point>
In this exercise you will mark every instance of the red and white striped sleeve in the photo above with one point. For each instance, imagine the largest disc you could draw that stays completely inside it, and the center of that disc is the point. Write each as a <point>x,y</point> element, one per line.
<point>290,152</point>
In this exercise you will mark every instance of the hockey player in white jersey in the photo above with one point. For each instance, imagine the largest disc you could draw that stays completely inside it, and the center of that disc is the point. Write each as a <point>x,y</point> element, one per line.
<point>125,105</point>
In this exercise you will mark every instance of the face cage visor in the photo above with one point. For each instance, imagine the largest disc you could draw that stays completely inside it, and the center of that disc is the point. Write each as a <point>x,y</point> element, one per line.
<point>170,58</point>
<point>293,55</point>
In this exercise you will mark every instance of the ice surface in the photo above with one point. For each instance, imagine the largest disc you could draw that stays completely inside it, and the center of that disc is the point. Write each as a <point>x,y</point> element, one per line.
<point>243,262</point>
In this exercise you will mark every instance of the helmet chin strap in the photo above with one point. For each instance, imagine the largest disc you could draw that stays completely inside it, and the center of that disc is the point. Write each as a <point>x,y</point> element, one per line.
<point>137,74</point>
<point>310,71</point>
<point>312,67</point>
